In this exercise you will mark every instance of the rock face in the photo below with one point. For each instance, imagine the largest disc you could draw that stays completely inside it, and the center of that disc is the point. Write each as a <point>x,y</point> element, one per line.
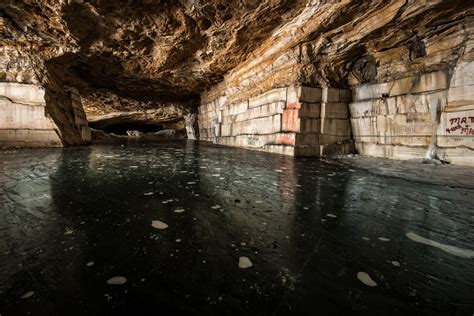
<point>23,119</point>
<point>402,61</point>
<point>385,78</point>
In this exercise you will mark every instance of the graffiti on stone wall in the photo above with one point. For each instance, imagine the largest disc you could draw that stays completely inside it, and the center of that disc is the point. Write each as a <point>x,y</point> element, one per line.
<point>253,141</point>
<point>461,125</point>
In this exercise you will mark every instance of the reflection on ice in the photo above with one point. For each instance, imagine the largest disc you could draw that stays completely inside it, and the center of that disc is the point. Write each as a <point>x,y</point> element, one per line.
<point>455,251</point>
<point>75,217</point>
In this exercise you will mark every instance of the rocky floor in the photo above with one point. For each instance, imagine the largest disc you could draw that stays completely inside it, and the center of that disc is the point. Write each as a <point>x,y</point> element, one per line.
<point>168,227</point>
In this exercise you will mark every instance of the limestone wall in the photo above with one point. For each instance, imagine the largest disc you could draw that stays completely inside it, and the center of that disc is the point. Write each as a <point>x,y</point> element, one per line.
<point>23,119</point>
<point>400,119</point>
<point>293,120</point>
<point>80,119</point>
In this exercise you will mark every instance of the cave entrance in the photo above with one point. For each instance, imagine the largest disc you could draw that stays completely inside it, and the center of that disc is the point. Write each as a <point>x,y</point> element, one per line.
<point>122,128</point>
<point>145,128</point>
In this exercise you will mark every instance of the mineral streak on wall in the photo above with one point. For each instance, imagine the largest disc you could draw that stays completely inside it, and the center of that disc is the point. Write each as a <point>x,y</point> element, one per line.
<point>23,120</point>
<point>294,120</point>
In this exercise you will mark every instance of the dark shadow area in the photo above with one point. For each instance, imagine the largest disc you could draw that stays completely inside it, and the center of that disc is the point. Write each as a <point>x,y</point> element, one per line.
<point>121,129</point>
<point>77,217</point>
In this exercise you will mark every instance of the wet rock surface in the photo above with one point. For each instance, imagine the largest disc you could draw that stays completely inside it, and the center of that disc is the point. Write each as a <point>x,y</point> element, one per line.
<point>311,229</point>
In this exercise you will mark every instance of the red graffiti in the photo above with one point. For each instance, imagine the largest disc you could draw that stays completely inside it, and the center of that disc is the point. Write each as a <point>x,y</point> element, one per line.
<point>461,120</point>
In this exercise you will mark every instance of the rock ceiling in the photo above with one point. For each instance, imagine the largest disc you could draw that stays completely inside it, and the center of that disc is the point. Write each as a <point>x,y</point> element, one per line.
<point>171,51</point>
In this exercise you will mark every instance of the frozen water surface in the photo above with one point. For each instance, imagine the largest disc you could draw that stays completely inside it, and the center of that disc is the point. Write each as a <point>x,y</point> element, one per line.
<point>310,228</point>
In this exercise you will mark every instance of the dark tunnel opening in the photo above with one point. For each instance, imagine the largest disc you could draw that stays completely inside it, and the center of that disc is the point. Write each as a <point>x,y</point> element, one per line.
<point>122,128</point>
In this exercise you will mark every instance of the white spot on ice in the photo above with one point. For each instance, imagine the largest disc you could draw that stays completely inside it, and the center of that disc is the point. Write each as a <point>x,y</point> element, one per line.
<point>245,263</point>
<point>215,207</point>
<point>366,238</point>
<point>69,231</point>
<point>159,225</point>
<point>148,193</point>
<point>28,294</point>
<point>90,263</point>
<point>396,263</point>
<point>365,278</point>
<point>278,170</point>
<point>455,251</point>
<point>179,210</point>
<point>383,239</point>
<point>117,280</point>
<point>331,215</point>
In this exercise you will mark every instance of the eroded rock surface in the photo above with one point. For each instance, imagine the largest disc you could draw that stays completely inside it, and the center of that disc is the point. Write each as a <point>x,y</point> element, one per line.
<point>128,57</point>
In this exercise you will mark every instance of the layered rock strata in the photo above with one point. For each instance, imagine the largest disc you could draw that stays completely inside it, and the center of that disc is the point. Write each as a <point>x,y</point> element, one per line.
<point>23,118</point>
<point>294,120</point>
<point>402,70</point>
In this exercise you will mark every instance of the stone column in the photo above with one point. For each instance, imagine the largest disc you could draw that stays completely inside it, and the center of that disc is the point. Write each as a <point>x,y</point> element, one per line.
<point>190,120</point>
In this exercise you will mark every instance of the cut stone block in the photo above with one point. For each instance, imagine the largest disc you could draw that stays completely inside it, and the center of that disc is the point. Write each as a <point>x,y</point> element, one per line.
<point>310,125</point>
<point>257,112</point>
<point>437,80</point>
<point>336,127</point>
<point>370,91</point>
<point>461,97</point>
<point>22,93</point>
<point>291,122</point>
<point>27,116</point>
<point>29,138</point>
<point>433,81</point>
<point>309,110</point>
<point>336,110</point>
<point>463,75</point>
<point>236,108</point>
<point>264,125</point>
<point>390,151</point>
<point>268,97</point>
<point>335,95</point>
<point>458,155</point>
<point>297,93</point>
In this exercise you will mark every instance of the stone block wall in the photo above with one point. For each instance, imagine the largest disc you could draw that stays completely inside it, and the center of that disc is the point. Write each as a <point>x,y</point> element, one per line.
<point>25,122</point>
<point>401,119</point>
<point>293,120</point>
<point>23,119</point>
<point>80,119</point>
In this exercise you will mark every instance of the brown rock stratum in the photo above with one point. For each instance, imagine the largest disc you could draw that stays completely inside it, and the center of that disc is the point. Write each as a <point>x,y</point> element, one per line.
<point>139,56</point>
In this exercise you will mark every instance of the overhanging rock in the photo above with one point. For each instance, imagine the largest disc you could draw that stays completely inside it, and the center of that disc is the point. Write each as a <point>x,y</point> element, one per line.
<point>293,120</point>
